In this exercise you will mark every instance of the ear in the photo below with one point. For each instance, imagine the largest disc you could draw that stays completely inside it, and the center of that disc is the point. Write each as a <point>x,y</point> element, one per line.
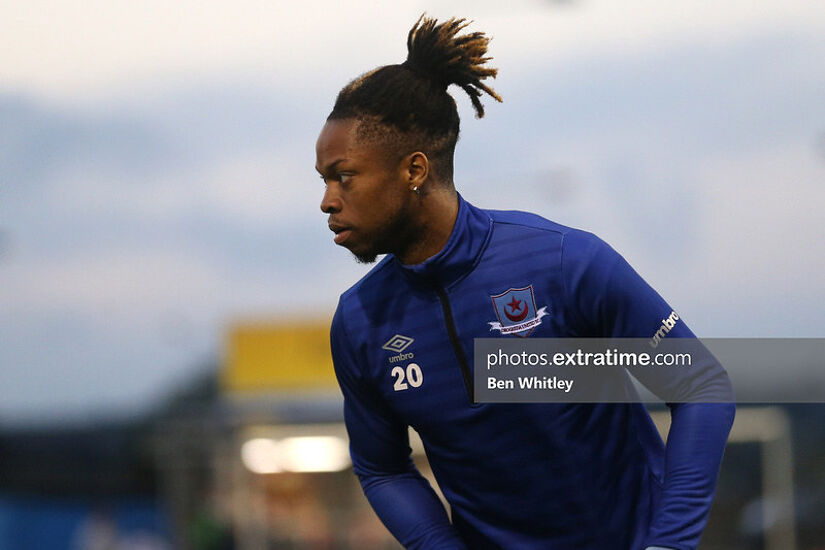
<point>416,169</point>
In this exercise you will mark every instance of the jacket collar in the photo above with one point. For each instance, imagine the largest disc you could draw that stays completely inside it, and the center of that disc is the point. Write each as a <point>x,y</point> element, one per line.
<point>459,256</point>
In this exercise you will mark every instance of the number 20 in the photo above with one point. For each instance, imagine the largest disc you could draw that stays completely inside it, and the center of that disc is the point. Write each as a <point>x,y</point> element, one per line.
<point>413,375</point>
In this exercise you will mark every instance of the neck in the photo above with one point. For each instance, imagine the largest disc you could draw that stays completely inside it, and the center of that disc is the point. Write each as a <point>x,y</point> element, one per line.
<point>437,211</point>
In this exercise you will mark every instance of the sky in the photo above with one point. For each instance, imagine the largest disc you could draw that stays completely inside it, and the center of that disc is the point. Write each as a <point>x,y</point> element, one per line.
<point>157,180</point>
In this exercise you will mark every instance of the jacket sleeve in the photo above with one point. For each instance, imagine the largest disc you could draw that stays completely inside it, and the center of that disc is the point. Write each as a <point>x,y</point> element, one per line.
<point>380,451</point>
<point>612,300</point>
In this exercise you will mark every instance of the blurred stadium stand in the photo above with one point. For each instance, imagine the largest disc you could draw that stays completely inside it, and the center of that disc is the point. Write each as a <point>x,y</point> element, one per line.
<point>65,487</point>
<point>252,455</point>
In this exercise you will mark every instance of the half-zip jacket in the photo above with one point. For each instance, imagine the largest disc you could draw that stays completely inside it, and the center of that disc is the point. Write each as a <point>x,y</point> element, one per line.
<point>516,475</point>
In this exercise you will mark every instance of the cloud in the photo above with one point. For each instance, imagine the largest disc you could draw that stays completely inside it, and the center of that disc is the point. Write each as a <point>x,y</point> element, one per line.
<point>137,227</point>
<point>299,45</point>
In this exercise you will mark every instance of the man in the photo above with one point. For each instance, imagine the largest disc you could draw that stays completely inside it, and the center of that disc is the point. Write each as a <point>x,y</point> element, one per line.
<point>531,475</point>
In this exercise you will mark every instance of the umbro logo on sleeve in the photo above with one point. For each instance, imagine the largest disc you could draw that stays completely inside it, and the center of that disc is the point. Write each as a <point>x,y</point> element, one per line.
<point>664,328</point>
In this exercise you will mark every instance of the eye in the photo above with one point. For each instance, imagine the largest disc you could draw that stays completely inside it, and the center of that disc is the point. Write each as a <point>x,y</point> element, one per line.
<point>344,178</point>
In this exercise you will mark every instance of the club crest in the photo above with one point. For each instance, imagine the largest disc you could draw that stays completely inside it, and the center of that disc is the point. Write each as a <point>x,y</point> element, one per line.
<point>516,312</point>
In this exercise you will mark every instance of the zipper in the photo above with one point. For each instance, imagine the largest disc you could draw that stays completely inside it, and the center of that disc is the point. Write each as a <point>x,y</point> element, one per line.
<point>457,349</point>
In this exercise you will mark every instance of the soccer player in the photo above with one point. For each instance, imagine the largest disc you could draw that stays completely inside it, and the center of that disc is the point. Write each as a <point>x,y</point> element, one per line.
<point>515,475</point>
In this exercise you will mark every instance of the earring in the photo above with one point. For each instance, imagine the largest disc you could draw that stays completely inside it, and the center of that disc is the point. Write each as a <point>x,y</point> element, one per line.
<point>415,190</point>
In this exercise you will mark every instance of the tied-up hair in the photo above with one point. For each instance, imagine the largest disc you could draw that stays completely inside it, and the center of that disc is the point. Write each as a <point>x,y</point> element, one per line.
<point>407,106</point>
<point>440,55</point>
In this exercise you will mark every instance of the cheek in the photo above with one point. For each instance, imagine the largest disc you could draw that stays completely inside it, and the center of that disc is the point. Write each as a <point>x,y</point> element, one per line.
<point>388,209</point>
<point>384,203</point>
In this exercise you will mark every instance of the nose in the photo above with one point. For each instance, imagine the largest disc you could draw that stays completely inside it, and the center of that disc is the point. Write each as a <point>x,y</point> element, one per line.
<point>331,202</point>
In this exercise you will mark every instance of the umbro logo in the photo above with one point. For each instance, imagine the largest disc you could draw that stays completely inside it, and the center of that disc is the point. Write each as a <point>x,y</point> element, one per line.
<point>398,343</point>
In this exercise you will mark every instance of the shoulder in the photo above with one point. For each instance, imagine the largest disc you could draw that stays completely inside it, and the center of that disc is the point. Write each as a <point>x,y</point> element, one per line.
<point>527,221</point>
<point>362,297</point>
<point>577,244</point>
<point>375,279</point>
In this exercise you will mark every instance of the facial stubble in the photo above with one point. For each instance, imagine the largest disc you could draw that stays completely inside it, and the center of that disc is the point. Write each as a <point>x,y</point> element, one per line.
<point>394,238</point>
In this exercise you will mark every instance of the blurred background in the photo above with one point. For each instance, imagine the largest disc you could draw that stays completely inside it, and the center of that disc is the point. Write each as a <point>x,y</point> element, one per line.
<point>167,279</point>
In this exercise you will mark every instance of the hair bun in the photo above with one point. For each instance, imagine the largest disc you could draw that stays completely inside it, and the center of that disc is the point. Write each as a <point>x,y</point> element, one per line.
<point>436,52</point>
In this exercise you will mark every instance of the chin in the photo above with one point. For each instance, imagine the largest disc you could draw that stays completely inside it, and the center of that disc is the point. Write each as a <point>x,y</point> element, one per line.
<point>368,253</point>
<point>365,258</point>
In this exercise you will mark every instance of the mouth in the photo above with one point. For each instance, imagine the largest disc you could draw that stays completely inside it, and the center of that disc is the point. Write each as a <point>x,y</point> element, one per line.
<point>342,232</point>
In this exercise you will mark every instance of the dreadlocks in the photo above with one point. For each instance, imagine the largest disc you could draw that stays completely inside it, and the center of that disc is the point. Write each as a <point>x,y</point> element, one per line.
<point>407,107</point>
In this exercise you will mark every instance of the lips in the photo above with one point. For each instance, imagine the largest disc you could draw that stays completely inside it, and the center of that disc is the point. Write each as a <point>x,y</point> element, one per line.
<point>342,232</point>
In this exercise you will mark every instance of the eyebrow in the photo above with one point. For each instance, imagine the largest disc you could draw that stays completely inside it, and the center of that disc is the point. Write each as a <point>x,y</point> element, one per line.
<point>331,165</point>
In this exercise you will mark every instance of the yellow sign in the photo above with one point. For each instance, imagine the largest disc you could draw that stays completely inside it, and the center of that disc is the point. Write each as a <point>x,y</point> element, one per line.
<point>278,356</point>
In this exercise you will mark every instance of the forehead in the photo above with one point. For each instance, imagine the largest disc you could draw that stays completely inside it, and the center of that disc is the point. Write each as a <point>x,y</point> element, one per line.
<point>344,139</point>
<point>337,138</point>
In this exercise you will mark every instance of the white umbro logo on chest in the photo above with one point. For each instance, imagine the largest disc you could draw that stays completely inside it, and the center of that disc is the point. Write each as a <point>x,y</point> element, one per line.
<point>398,343</point>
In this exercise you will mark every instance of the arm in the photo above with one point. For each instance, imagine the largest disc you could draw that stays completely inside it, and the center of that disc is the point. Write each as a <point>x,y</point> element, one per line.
<point>695,444</point>
<point>612,300</point>
<point>380,451</point>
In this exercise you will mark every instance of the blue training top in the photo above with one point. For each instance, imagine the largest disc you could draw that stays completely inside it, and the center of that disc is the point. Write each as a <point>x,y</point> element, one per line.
<point>516,475</point>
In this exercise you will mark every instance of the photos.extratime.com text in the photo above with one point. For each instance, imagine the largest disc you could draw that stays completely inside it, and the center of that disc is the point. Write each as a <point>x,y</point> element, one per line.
<point>622,370</point>
<point>579,357</point>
